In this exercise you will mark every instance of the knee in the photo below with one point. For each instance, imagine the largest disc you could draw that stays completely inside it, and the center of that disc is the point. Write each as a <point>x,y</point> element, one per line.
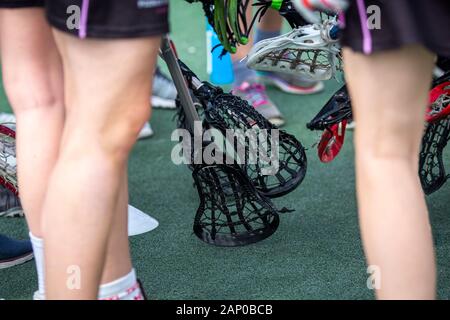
<point>112,139</point>
<point>117,144</point>
<point>382,161</point>
<point>26,96</point>
<point>387,152</point>
<point>119,136</point>
<point>389,145</point>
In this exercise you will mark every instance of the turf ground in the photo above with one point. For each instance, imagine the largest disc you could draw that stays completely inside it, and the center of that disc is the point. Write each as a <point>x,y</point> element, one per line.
<point>316,252</point>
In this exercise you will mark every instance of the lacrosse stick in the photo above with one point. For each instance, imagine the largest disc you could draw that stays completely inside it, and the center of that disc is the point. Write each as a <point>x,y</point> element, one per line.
<point>225,111</point>
<point>309,50</point>
<point>231,211</point>
<point>439,106</point>
<point>437,135</point>
<point>228,19</point>
<point>432,169</point>
<point>8,171</point>
<point>8,167</point>
<point>333,120</point>
<point>442,65</point>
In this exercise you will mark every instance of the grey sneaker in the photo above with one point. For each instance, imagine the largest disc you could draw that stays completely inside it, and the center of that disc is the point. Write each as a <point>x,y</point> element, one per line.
<point>164,92</point>
<point>9,204</point>
<point>255,94</point>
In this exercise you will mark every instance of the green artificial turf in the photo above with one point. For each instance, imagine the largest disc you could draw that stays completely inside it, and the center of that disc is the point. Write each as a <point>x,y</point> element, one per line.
<point>316,252</point>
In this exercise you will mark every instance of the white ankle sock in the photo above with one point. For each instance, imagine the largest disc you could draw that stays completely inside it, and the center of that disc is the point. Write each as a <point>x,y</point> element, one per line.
<point>38,250</point>
<point>125,288</point>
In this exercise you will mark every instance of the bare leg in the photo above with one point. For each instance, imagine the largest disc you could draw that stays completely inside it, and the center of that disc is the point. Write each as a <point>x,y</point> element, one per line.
<point>272,21</point>
<point>389,93</point>
<point>118,259</point>
<point>32,73</point>
<point>99,133</point>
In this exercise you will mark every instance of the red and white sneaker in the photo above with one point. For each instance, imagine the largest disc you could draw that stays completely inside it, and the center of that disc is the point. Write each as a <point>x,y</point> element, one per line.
<point>255,94</point>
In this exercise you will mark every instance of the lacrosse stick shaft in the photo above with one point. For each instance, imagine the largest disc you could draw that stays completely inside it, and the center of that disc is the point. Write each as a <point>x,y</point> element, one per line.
<point>169,56</point>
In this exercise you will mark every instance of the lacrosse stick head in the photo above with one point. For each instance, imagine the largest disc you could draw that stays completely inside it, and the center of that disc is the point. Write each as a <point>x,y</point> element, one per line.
<point>431,164</point>
<point>332,118</point>
<point>331,142</point>
<point>437,135</point>
<point>228,19</point>
<point>276,164</point>
<point>444,64</point>
<point>439,106</point>
<point>283,152</point>
<point>8,165</point>
<point>337,109</point>
<point>307,51</point>
<point>231,212</point>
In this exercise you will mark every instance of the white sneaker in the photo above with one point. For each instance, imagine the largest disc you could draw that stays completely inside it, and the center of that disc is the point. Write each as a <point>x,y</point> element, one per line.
<point>351,125</point>
<point>7,118</point>
<point>139,222</point>
<point>164,92</point>
<point>146,131</point>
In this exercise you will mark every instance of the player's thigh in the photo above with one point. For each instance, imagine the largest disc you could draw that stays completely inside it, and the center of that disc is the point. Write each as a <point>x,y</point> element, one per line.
<point>389,92</point>
<point>108,58</point>
<point>107,84</point>
<point>31,65</point>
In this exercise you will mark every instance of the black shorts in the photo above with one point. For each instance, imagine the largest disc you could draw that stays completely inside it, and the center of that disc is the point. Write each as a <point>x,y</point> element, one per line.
<point>103,18</point>
<point>401,22</point>
<point>21,3</point>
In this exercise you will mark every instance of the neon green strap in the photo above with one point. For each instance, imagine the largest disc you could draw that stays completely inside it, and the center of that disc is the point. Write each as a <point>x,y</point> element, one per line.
<point>276,4</point>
